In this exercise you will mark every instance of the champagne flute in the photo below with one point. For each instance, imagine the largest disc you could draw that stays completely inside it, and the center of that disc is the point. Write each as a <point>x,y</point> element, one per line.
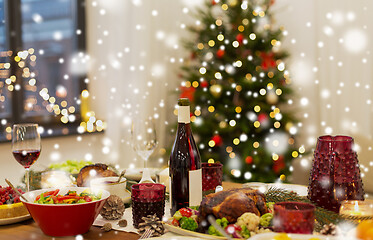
<point>26,146</point>
<point>144,141</point>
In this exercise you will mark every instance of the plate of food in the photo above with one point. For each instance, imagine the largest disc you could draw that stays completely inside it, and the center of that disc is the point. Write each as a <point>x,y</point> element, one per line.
<point>11,209</point>
<point>241,212</point>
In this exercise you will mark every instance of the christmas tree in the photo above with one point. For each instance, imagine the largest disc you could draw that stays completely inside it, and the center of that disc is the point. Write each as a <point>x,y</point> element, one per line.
<point>238,86</point>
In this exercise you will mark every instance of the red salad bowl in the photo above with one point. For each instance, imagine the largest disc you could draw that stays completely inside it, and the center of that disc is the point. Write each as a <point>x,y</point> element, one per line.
<point>64,219</point>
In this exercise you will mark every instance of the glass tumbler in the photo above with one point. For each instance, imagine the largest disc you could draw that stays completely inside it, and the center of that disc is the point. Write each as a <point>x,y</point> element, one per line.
<point>147,199</point>
<point>335,174</point>
<point>212,176</point>
<point>294,217</point>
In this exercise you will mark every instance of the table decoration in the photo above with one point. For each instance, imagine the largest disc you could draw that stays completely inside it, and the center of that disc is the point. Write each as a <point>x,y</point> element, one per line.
<point>127,216</point>
<point>357,208</point>
<point>151,224</point>
<point>294,217</point>
<point>212,176</point>
<point>323,216</point>
<point>113,208</point>
<point>335,174</point>
<point>147,199</point>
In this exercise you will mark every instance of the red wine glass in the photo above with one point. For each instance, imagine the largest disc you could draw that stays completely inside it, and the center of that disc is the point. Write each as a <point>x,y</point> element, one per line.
<point>26,146</point>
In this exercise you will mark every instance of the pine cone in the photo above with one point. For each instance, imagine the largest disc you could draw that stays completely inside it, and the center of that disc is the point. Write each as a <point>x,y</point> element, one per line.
<point>329,229</point>
<point>122,223</point>
<point>107,227</point>
<point>113,209</point>
<point>152,222</point>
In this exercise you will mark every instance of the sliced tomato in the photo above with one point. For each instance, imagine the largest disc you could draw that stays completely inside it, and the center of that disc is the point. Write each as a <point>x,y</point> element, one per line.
<point>175,222</point>
<point>185,212</point>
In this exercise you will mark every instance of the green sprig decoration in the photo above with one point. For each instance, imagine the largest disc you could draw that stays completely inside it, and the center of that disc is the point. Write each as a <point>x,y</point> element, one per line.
<point>322,215</point>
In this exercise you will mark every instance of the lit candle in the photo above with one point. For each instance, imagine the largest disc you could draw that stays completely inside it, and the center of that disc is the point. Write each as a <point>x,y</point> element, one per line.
<point>84,105</point>
<point>357,208</point>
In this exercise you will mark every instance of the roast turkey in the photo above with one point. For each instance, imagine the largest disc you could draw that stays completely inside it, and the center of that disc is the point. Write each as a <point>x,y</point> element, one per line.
<point>232,203</point>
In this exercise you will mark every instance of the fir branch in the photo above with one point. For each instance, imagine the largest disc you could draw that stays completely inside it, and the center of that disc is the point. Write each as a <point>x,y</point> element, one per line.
<point>322,215</point>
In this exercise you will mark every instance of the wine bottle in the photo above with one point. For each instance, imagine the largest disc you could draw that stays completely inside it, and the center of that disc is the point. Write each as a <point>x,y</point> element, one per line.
<point>185,164</point>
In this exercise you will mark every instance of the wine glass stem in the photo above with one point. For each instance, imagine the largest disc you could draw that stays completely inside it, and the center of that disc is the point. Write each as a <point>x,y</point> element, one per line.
<point>145,163</point>
<point>27,179</point>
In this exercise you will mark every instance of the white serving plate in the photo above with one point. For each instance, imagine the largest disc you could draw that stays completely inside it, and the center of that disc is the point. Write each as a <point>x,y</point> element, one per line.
<point>176,238</point>
<point>301,190</point>
<point>7,221</point>
<point>136,173</point>
<point>292,236</point>
<point>188,233</point>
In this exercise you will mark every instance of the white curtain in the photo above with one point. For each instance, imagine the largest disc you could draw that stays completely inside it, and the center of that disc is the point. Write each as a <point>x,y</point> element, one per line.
<point>331,65</point>
<point>135,48</point>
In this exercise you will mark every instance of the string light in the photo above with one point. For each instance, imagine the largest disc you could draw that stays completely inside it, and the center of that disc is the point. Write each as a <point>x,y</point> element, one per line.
<point>50,102</point>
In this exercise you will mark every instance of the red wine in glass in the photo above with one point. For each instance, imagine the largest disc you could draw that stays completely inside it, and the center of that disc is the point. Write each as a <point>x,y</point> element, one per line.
<point>26,146</point>
<point>26,157</point>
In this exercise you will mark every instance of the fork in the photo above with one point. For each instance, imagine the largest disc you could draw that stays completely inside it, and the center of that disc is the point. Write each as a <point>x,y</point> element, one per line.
<point>148,232</point>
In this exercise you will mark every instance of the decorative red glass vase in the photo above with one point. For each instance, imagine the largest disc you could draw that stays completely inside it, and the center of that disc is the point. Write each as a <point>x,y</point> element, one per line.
<point>294,217</point>
<point>335,174</point>
<point>212,176</point>
<point>147,199</point>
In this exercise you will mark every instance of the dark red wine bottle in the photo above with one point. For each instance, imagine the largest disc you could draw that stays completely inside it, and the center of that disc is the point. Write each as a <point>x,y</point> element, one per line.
<point>185,164</point>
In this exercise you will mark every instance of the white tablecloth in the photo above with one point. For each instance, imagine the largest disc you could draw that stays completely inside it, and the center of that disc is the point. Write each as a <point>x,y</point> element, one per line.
<point>100,221</point>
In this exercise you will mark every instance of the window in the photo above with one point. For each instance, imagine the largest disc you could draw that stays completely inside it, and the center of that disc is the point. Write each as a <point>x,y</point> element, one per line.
<point>42,70</point>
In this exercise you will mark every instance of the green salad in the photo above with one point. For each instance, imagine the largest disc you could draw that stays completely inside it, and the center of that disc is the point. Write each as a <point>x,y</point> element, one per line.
<point>71,197</point>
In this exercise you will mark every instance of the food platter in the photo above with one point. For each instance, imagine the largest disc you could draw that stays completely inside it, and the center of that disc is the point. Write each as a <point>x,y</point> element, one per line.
<point>184,232</point>
<point>6,221</point>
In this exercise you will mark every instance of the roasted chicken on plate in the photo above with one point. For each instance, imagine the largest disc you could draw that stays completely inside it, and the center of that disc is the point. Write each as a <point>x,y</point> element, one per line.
<point>232,203</point>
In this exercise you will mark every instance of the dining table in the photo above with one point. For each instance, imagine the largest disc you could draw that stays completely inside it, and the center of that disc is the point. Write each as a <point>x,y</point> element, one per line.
<point>29,229</point>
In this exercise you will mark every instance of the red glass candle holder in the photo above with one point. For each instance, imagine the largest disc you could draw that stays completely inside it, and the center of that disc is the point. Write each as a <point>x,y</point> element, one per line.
<point>335,174</point>
<point>147,199</point>
<point>212,176</point>
<point>294,217</point>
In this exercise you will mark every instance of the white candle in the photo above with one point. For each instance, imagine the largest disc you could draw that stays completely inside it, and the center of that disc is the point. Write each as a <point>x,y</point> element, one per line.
<point>357,208</point>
